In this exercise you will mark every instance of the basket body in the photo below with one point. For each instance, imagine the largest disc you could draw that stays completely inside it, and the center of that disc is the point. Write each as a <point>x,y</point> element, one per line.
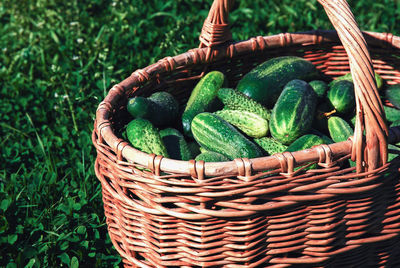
<point>327,217</point>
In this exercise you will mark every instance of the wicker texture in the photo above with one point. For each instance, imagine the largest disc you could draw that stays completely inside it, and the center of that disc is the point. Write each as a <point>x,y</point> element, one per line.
<point>257,212</point>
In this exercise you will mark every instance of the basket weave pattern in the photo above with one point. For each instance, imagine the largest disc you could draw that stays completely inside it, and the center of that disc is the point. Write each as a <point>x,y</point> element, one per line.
<point>248,212</point>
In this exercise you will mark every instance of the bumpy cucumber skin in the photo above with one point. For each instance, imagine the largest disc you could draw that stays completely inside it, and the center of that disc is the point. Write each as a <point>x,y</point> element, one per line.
<point>202,98</point>
<point>339,129</point>
<point>175,144</point>
<point>265,82</point>
<point>393,95</point>
<point>211,157</point>
<point>235,100</point>
<point>392,114</point>
<point>270,145</point>
<point>378,79</point>
<point>341,96</point>
<point>249,123</point>
<point>215,134</point>
<point>319,87</point>
<point>161,108</point>
<point>294,112</point>
<point>144,136</point>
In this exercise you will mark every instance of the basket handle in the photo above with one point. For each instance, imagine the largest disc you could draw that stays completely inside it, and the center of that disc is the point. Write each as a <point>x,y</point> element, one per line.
<point>369,151</point>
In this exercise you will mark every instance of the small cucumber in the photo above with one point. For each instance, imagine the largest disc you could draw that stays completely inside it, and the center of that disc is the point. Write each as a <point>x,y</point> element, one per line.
<point>341,96</point>
<point>249,123</point>
<point>235,100</point>
<point>202,98</point>
<point>393,95</point>
<point>144,136</point>
<point>161,108</point>
<point>339,129</point>
<point>211,157</point>
<point>294,112</point>
<point>392,114</point>
<point>270,145</point>
<point>319,87</point>
<point>215,134</point>
<point>378,79</point>
<point>175,144</point>
<point>326,139</point>
<point>305,142</point>
<point>266,81</point>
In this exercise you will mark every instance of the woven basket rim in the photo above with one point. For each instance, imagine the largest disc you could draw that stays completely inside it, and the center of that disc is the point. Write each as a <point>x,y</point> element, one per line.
<point>200,56</point>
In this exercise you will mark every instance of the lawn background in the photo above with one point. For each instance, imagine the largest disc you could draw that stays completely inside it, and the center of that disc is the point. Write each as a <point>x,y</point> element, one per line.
<point>57,61</point>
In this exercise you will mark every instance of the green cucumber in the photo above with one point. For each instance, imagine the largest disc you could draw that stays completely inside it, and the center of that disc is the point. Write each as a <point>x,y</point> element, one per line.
<point>211,157</point>
<point>395,124</point>
<point>215,134</point>
<point>202,99</point>
<point>319,87</point>
<point>144,136</point>
<point>266,81</point>
<point>305,142</point>
<point>270,145</point>
<point>161,108</point>
<point>393,95</point>
<point>378,79</point>
<point>326,139</point>
<point>175,144</point>
<point>392,114</point>
<point>194,148</point>
<point>341,96</point>
<point>323,112</point>
<point>293,113</point>
<point>339,129</point>
<point>235,100</point>
<point>249,123</point>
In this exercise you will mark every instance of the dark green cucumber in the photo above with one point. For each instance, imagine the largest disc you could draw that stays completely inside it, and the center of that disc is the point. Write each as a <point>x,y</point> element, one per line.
<point>211,157</point>
<point>339,129</point>
<point>194,148</point>
<point>235,100</point>
<point>323,112</point>
<point>249,123</point>
<point>202,98</point>
<point>319,87</point>
<point>266,81</point>
<point>270,145</point>
<point>395,124</point>
<point>305,142</point>
<point>161,108</point>
<point>294,112</point>
<point>175,144</point>
<point>326,139</point>
<point>341,96</point>
<point>392,114</point>
<point>215,134</point>
<point>393,95</point>
<point>144,136</point>
<point>378,79</point>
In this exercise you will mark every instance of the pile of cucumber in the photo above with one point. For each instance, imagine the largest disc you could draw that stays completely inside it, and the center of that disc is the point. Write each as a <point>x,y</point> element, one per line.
<point>283,104</point>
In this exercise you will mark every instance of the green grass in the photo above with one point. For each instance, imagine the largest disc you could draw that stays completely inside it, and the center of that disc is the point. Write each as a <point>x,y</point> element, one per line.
<point>58,59</point>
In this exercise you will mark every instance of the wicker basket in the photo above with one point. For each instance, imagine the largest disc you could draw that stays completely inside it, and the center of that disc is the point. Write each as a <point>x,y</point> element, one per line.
<point>258,212</point>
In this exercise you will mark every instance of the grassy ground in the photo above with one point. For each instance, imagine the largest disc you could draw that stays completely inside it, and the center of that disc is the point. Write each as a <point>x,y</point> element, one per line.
<point>57,61</point>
